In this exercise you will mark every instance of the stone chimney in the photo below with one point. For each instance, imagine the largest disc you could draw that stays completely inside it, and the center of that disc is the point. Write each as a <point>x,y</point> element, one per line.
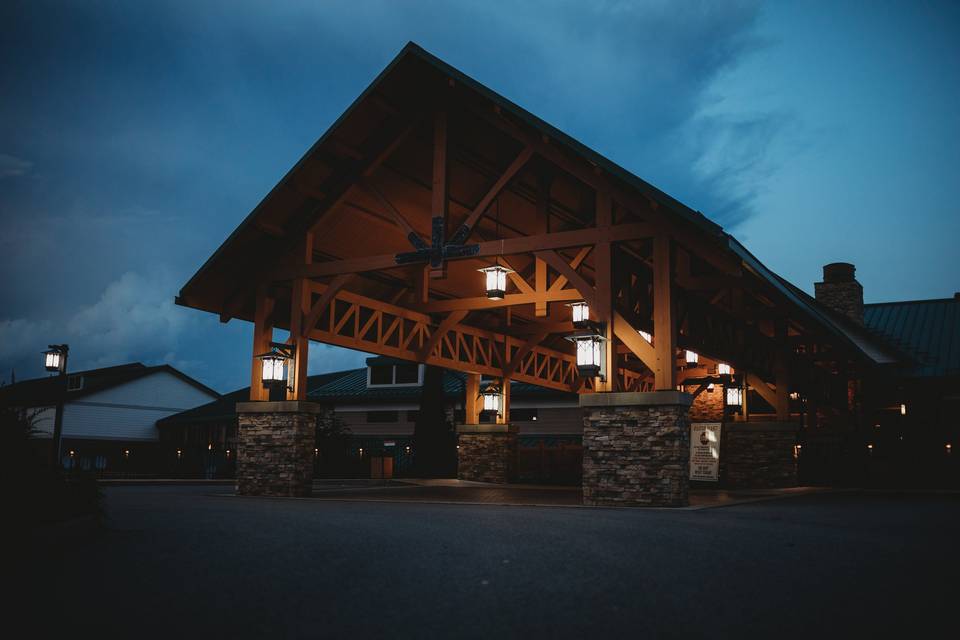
<point>840,290</point>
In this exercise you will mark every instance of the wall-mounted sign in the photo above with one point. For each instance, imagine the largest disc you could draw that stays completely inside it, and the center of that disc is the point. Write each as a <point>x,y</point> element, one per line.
<point>705,451</point>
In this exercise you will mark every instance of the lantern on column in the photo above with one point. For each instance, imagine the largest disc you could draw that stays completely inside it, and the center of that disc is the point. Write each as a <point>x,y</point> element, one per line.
<point>492,396</point>
<point>590,353</point>
<point>734,397</point>
<point>55,358</point>
<point>496,281</point>
<point>274,365</point>
<point>581,314</point>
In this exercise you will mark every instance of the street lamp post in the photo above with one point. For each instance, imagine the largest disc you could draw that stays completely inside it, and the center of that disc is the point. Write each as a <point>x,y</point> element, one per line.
<point>55,359</point>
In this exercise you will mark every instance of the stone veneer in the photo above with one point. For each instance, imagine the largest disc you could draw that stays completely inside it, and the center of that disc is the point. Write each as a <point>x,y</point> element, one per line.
<point>708,406</point>
<point>636,449</point>
<point>487,452</point>
<point>758,454</point>
<point>275,448</point>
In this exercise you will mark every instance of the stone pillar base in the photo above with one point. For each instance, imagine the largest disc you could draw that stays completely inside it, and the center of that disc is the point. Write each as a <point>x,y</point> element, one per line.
<point>275,448</point>
<point>486,452</point>
<point>636,449</point>
<point>759,455</point>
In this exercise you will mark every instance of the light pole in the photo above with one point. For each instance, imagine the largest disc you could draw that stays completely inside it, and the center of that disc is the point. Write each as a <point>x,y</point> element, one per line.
<point>55,359</point>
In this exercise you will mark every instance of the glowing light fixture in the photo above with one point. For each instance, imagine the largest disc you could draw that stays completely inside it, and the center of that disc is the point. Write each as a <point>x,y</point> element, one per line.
<point>692,357</point>
<point>646,336</point>
<point>724,369</point>
<point>496,281</point>
<point>581,314</point>
<point>274,362</point>
<point>903,409</point>
<point>734,397</point>
<point>55,358</point>
<point>492,398</point>
<point>590,353</point>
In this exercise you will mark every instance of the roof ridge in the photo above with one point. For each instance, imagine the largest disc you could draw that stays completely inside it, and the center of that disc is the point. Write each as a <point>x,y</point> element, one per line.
<point>882,304</point>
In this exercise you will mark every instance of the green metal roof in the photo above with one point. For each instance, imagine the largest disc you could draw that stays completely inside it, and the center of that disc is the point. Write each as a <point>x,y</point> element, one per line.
<point>926,330</point>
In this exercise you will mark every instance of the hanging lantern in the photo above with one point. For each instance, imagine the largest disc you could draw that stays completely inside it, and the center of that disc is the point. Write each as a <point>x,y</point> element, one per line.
<point>492,398</point>
<point>581,314</point>
<point>724,369</point>
<point>590,354</point>
<point>55,358</point>
<point>692,357</point>
<point>734,396</point>
<point>273,372</point>
<point>496,281</point>
<point>646,336</point>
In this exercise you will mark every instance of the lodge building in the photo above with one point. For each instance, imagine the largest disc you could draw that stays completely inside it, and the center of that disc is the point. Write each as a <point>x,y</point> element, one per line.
<point>437,223</point>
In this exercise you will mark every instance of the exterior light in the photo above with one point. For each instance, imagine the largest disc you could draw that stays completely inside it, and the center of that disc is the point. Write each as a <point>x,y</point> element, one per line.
<point>723,368</point>
<point>949,448</point>
<point>734,397</point>
<point>496,281</point>
<point>903,409</point>
<point>646,336</point>
<point>590,354</point>
<point>126,453</point>
<point>273,372</point>
<point>870,448</point>
<point>794,395</point>
<point>361,452</point>
<point>210,447</point>
<point>55,358</point>
<point>692,357</point>
<point>797,449</point>
<point>228,453</point>
<point>581,314</point>
<point>316,452</point>
<point>492,395</point>
<point>73,453</point>
<point>179,453</point>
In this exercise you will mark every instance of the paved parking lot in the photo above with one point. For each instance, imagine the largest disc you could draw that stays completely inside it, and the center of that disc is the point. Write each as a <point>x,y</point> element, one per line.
<point>180,561</point>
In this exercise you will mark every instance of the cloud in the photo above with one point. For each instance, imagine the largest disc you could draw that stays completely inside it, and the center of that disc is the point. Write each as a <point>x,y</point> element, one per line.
<point>11,166</point>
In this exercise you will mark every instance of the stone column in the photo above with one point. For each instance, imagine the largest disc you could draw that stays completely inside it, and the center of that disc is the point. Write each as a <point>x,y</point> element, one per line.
<point>759,454</point>
<point>486,452</point>
<point>275,447</point>
<point>636,449</point>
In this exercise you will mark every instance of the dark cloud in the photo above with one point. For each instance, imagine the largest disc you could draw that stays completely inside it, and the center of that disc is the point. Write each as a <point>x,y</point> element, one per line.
<point>152,129</point>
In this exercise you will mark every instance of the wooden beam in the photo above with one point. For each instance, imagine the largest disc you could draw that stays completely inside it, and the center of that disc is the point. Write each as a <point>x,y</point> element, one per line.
<point>438,199</point>
<point>664,324</point>
<point>452,319</point>
<point>318,307</point>
<point>463,232</point>
<point>542,226</point>
<point>471,404</point>
<point>562,267</point>
<point>561,280</point>
<point>505,247</point>
<point>761,387</point>
<point>511,299</point>
<point>522,352</point>
<point>515,277</point>
<point>634,341</point>
<point>262,336</point>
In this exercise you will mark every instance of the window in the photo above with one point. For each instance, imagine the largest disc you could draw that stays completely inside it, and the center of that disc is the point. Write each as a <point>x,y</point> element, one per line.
<point>381,374</point>
<point>407,373</point>
<point>400,374</point>
<point>74,382</point>
<point>382,416</point>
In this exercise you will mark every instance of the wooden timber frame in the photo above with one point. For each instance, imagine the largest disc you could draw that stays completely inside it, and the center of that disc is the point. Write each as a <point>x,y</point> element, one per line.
<point>374,239</point>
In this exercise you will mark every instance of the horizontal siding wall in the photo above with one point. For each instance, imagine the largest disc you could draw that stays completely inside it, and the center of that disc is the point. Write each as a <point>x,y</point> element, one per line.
<point>130,411</point>
<point>555,421</point>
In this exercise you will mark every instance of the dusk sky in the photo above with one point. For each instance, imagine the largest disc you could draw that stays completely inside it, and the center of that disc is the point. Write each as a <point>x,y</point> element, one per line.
<point>135,136</point>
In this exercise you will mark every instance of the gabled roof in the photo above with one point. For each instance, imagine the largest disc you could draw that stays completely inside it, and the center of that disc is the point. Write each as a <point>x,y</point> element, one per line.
<point>38,392</point>
<point>224,408</point>
<point>927,330</point>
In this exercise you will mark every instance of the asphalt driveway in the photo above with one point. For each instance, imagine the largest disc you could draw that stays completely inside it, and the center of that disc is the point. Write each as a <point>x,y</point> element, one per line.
<point>181,561</point>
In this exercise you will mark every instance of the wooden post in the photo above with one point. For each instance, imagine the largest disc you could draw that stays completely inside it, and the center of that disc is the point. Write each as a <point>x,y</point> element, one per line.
<point>299,310</point>
<point>542,226</point>
<point>664,327</point>
<point>782,372</point>
<point>744,411</point>
<point>262,336</point>
<point>603,279</point>
<point>439,194</point>
<point>505,408</point>
<point>471,403</point>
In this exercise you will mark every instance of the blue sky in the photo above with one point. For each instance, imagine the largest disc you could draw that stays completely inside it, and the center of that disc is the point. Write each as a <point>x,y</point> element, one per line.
<point>135,137</point>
